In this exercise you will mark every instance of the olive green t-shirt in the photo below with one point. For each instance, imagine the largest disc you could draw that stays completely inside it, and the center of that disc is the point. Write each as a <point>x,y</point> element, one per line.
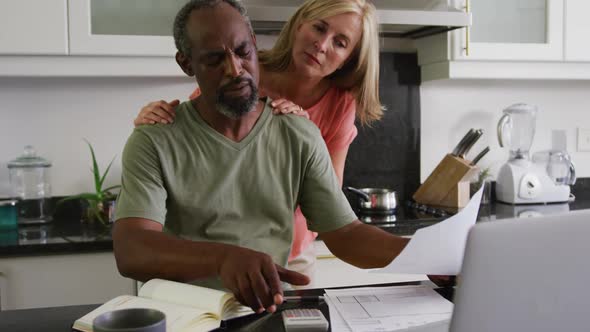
<point>203,186</point>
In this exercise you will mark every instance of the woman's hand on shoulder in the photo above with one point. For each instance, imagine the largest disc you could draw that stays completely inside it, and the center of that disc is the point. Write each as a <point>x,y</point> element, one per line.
<point>284,106</point>
<point>157,112</point>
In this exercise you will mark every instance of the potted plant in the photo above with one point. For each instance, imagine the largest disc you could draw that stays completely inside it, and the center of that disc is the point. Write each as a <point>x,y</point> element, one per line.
<point>100,203</point>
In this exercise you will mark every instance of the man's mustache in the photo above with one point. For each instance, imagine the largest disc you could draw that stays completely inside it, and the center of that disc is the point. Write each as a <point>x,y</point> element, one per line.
<point>235,82</point>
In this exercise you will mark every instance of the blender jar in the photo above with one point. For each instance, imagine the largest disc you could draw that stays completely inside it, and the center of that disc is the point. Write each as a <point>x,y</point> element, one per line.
<point>30,184</point>
<point>516,129</point>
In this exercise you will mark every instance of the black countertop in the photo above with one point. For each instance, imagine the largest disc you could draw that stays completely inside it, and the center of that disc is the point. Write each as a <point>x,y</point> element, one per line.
<point>67,235</point>
<point>61,236</point>
<point>58,319</point>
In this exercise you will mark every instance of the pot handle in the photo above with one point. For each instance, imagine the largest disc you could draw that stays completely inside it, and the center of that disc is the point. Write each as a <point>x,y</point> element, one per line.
<point>363,195</point>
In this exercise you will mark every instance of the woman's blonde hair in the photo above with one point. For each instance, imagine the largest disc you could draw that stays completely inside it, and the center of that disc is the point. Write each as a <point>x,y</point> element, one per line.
<point>359,74</point>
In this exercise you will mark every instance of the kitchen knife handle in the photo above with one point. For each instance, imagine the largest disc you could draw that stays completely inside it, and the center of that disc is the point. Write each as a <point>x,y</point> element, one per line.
<point>480,155</point>
<point>474,138</point>
<point>462,142</point>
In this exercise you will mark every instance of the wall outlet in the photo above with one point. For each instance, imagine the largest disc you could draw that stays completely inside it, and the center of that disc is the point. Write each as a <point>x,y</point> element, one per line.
<point>583,139</point>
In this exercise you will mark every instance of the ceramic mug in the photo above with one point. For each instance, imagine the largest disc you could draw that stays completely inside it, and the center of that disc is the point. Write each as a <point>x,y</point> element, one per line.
<point>130,320</point>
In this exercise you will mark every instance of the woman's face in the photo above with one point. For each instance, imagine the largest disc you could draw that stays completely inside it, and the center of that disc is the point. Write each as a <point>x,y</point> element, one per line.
<point>322,46</point>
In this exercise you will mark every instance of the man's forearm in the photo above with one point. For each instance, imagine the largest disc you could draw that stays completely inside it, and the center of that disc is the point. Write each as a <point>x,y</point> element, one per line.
<point>143,254</point>
<point>364,246</point>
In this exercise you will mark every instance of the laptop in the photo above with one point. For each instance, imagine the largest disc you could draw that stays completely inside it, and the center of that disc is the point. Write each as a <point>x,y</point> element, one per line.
<point>526,275</point>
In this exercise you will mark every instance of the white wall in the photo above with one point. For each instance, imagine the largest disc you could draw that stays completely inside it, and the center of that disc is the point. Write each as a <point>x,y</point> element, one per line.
<point>451,107</point>
<point>55,114</point>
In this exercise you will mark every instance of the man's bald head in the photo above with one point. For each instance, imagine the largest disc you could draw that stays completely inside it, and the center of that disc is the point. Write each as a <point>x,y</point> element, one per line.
<point>181,35</point>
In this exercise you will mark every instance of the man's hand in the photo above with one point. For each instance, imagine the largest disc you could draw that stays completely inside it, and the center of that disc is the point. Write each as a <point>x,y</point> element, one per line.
<point>443,281</point>
<point>255,280</point>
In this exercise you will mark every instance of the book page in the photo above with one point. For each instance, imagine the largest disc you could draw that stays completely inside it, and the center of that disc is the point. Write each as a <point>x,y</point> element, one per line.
<point>221,304</point>
<point>178,318</point>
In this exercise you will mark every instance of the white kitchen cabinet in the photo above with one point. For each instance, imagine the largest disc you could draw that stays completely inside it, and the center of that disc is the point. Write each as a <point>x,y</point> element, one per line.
<point>131,38</point>
<point>33,27</point>
<point>511,30</point>
<point>122,27</point>
<point>577,28</point>
<point>502,30</point>
<point>48,281</point>
<point>512,39</point>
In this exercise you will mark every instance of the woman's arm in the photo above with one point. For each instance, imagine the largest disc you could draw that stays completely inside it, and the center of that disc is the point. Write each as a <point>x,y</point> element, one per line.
<point>338,161</point>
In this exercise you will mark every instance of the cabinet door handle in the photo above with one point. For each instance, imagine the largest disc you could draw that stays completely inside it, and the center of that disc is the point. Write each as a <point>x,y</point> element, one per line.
<point>3,292</point>
<point>467,8</point>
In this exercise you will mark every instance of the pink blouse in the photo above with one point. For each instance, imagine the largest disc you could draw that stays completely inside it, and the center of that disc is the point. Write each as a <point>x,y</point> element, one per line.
<point>334,115</point>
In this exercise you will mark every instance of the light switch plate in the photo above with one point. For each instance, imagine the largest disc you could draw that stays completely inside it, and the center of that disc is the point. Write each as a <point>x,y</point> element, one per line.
<point>583,139</point>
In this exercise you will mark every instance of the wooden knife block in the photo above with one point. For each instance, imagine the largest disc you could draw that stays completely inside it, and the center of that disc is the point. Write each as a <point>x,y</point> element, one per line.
<point>448,184</point>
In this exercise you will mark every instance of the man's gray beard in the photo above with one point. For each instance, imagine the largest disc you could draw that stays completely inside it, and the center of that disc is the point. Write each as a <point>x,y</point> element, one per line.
<point>235,109</point>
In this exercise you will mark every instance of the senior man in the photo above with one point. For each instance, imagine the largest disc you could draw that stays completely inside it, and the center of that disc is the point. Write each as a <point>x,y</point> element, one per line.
<point>210,198</point>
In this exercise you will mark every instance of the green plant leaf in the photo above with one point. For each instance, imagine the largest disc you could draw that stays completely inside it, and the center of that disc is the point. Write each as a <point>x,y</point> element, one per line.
<point>86,196</point>
<point>111,188</point>
<point>95,169</point>
<point>105,173</point>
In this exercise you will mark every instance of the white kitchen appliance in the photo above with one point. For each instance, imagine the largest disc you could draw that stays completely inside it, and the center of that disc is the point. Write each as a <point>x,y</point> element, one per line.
<point>525,180</point>
<point>397,18</point>
<point>525,275</point>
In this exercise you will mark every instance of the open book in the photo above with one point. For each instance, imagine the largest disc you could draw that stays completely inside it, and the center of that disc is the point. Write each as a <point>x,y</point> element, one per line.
<point>187,307</point>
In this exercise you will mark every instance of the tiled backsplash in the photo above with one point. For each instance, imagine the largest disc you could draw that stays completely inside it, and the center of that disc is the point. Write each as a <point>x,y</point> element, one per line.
<point>387,154</point>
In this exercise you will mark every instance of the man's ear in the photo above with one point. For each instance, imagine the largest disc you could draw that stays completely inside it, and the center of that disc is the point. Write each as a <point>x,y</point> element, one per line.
<point>254,40</point>
<point>185,63</point>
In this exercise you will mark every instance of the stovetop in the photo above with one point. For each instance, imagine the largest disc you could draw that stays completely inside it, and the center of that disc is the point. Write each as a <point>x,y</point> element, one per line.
<point>407,218</point>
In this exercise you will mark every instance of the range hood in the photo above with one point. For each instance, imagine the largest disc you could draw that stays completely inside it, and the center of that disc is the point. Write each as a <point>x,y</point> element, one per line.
<point>398,18</point>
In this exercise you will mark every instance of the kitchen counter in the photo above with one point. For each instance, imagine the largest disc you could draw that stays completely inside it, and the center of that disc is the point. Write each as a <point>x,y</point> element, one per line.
<point>61,236</point>
<point>61,318</point>
<point>67,235</point>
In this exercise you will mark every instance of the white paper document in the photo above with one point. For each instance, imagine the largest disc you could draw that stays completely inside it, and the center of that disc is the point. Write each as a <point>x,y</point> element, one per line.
<point>438,249</point>
<point>381,309</point>
<point>337,322</point>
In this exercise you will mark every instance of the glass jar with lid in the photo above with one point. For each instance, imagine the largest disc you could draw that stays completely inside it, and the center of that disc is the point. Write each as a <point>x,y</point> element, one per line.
<point>29,178</point>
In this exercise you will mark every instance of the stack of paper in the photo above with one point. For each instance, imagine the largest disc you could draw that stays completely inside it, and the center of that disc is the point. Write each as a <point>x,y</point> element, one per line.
<point>435,250</point>
<point>386,308</point>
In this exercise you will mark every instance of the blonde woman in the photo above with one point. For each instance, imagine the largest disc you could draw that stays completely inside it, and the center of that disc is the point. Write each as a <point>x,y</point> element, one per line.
<point>325,66</point>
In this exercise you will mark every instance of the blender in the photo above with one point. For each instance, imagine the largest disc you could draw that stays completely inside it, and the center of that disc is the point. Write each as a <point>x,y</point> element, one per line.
<point>522,180</point>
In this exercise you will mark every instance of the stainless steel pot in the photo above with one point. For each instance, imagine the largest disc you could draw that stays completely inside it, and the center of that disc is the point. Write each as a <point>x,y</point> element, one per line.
<point>375,199</point>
